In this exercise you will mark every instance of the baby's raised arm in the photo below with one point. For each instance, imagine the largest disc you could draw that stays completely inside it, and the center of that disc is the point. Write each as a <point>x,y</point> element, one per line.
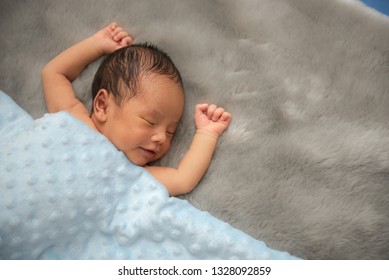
<point>58,74</point>
<point>211,121</point>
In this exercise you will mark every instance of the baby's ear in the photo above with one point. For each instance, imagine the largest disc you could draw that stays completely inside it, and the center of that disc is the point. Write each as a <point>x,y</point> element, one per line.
<point>100,105</point>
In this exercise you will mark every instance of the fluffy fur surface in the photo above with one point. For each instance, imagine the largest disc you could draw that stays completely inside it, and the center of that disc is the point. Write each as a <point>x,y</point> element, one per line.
<point>304,165</point>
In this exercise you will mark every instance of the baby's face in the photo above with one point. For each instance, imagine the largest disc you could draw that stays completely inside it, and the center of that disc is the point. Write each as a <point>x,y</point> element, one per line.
<point>143,127</point>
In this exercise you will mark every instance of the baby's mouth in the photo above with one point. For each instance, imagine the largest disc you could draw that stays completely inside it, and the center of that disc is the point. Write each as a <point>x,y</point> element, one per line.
<point>149,153</point>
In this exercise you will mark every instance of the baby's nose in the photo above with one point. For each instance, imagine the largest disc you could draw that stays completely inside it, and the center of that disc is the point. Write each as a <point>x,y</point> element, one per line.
<point>159,138</point>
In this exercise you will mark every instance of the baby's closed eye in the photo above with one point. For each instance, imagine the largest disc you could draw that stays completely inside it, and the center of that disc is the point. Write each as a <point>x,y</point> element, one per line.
<point>149,121</point>
<point>152,123</point>
<point>171,129</point>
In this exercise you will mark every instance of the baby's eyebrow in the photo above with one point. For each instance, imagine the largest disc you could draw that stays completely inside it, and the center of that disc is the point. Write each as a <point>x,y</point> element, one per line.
<point>160,115</point>
<point>153,112</point>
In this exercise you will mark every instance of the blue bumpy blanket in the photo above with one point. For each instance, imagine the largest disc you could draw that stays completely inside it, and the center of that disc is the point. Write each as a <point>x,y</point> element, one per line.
<point>67,193</point>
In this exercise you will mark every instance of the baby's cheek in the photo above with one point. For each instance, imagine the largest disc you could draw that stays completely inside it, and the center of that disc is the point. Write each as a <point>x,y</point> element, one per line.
<point>164,149</point>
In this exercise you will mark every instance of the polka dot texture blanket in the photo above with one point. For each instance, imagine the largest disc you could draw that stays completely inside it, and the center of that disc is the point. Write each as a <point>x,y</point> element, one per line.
<point>67,193</point>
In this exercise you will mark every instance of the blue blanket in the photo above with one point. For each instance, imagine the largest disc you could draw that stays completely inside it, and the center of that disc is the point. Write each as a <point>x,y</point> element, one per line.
<point>67,193</point>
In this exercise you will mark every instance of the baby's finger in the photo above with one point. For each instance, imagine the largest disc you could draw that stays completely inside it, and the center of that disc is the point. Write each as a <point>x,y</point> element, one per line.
<point>111,26</point>
<point>211,110</point>
<point>119,36</point>
<point>226,117</point>
<point>117,30</point>
<point>126,41</point>
<point>201,109</point>
<point>216,115</point>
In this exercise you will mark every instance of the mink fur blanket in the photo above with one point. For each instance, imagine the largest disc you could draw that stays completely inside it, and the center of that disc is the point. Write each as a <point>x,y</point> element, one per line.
<point>304,165</point>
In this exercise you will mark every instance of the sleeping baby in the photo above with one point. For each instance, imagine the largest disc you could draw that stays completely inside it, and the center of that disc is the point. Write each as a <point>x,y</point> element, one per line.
<point>138,100</point>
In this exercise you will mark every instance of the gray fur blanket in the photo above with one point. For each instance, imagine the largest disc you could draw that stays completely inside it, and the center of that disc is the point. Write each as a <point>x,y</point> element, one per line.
<point>304,165</point>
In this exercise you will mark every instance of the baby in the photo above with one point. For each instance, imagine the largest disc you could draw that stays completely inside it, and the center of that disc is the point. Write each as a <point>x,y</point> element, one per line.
<point>138,100</point>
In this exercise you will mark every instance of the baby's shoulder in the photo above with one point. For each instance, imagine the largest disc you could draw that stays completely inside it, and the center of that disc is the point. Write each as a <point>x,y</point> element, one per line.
<point>81,112</point>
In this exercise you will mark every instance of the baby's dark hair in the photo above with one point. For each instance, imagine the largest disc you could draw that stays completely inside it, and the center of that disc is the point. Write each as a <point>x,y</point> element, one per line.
<point>121,71</point>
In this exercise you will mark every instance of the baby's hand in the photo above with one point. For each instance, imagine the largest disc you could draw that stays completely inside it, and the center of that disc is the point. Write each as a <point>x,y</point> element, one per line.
<point>111,38</point>
<point>211,120</point>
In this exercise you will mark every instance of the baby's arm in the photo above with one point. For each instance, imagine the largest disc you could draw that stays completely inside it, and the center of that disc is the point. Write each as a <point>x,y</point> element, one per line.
<point>58,74</point>
<point>211,121</point>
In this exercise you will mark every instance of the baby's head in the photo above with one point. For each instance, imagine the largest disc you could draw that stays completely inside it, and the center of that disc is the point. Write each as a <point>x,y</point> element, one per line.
<point>138,100</point>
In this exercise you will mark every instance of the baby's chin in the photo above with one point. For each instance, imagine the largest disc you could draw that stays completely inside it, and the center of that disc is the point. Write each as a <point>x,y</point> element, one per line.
<point>139,163</point>
<point>142,162</point>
